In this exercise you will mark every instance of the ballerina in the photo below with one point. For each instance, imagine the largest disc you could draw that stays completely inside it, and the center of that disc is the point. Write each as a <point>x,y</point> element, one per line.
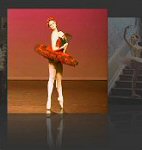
<point>57,56</point>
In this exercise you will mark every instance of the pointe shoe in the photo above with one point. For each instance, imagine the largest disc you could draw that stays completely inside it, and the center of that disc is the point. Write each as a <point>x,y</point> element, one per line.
<point>48,112</point>
<point>60,99</point>
<point>61,111</point>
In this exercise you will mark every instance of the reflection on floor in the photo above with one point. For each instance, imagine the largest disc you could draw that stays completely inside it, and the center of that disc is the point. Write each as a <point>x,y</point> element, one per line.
<point>121,129</point>
<point>126,126</point>
<point>3,133</point>
<point>58,132</point>
<point>79,97</point>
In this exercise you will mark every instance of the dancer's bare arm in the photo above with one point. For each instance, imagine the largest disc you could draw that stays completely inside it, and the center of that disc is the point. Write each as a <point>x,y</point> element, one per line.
<point>125,33</point>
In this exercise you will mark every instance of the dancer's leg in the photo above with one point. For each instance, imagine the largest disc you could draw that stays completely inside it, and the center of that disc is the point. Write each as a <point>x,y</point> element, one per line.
<point>52,74</point>
<point>59,83</point>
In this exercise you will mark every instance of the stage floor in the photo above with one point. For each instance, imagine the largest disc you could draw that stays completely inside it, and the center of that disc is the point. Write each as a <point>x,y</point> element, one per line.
<point>121,129</point>
<point>79,97</point>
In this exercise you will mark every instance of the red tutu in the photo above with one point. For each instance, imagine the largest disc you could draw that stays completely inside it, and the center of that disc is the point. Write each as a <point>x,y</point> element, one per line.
<point>47,52</point>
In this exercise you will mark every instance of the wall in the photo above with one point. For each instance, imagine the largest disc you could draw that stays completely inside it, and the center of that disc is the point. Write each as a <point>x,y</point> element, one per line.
<point>27,28</point>
<point>116,29</point>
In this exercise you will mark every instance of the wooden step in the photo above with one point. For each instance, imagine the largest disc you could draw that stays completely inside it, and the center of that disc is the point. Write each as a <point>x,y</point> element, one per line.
<point>129,67</point>
<point>127,84</point>
<point>125,100</point>
<point>131,71</point>
<point>128,71</point>
<point>129,77</point>
<point>124,91</point>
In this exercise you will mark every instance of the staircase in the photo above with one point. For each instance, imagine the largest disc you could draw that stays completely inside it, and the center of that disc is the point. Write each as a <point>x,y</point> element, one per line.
<point>121,93</point>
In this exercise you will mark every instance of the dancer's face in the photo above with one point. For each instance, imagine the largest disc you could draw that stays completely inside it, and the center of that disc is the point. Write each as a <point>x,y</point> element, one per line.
<point>52,25</point>
<point>134,39</point>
